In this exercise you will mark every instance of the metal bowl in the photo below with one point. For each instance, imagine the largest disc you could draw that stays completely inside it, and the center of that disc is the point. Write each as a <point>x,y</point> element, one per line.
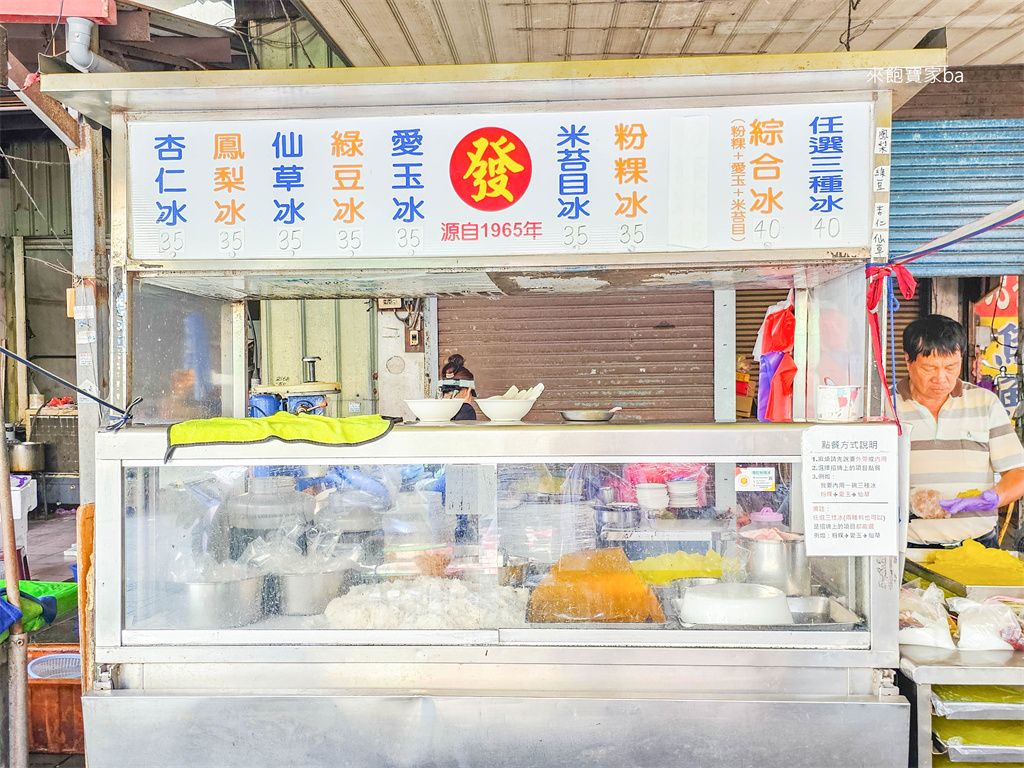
<point>618,517</point>
<point>305,594</point>
<point>588,415</point>
<point>222,604</point>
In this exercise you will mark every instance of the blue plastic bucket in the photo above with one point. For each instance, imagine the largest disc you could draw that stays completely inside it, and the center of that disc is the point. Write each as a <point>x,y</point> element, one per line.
<point>263,405</point>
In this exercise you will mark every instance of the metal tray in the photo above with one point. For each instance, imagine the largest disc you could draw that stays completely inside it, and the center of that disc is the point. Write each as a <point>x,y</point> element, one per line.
<point>978,592</point>
<point>810,614</point>
<point>596,625</point>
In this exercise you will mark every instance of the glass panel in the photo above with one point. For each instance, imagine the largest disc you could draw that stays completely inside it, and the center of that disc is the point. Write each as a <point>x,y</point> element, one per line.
<point>836,354</point>
<point>459,546</point>
<point>182,355</point>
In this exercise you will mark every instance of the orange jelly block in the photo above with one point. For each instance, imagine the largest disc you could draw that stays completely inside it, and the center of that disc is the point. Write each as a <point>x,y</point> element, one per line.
<point>593,585</point>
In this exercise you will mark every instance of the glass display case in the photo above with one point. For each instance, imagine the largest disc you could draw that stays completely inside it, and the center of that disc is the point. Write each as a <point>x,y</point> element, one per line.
<point>485,570</point>
<point>488,545</point>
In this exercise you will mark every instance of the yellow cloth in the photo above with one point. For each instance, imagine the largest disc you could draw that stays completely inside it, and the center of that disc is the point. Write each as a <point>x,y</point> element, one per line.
<point>290,427</point>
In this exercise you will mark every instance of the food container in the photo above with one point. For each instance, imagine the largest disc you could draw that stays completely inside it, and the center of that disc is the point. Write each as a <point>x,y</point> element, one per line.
<point>500,411</point>
<point>781,564</point>
<point>587,415</point>
<point>304,594</point>
<point>622,518</point>
<point>513,572</point>
<point>435,411</point>
<point>734,605</point>
<point>838,403</point>
<point>27,457</point>
<point>222,604</point>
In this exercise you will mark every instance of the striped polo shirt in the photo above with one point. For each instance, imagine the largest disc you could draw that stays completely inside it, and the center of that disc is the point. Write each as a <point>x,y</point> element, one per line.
<point>962,449</point>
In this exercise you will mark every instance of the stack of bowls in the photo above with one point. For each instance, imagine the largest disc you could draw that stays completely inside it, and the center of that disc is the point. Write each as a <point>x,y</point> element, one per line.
<point>652,495</point>
<point>682,493</point>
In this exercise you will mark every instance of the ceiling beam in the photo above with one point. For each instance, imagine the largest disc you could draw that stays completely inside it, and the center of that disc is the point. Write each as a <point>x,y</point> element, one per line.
<point>45,107</point>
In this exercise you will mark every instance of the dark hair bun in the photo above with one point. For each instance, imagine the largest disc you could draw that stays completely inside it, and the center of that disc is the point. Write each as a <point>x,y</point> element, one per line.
<point>455,361</point>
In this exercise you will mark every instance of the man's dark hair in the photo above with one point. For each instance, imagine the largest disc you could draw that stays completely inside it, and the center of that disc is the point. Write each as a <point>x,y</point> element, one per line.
<point>934,334</point>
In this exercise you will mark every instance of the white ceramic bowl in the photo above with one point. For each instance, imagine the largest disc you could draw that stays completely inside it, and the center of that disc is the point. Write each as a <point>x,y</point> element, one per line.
<point>435,411</point>
<point>734,605</point>
<point>500,410</point>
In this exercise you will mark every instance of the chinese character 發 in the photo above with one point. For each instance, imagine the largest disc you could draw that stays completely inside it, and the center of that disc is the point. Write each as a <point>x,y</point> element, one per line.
<point>766,202</point>
<point>171,214</point>
<point>630,205</point>
<point>229,213</point>
<point>765,132</point>
<point>630,136</point>
<point>287,177</point>
<point>406,142</point>
<point>287,146</point>
<point>229,179</point>
<point>631,170</point>
<point>407,210</point>
<point>289,211</point>
<point>348,210</point>
<point>490,172</point>
<point>227,146</point>
<point>347,144</point>
<point>169,147</point>
<point>573,208</point>
<point>160,180</point>
<point>348,176</point>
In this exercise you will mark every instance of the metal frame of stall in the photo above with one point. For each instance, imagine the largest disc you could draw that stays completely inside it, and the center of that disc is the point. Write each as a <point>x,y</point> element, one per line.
<point>115,100</point>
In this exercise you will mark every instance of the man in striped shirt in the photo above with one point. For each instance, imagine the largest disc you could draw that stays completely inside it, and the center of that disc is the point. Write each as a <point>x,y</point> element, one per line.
<point>960,437</point>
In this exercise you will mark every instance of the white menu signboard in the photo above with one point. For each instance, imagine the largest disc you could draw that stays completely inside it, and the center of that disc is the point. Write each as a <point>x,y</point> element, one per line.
<point>449,185</point>
<point>850,484</point>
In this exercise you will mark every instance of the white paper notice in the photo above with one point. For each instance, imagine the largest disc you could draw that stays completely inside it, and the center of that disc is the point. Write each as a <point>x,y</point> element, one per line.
<point>850,484</point>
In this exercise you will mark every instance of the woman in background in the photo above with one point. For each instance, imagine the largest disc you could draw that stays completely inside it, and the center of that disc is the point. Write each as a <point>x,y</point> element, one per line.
<point>457,382</point>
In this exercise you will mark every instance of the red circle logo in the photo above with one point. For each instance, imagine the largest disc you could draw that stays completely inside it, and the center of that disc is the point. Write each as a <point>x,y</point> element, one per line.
<point>490,169</point>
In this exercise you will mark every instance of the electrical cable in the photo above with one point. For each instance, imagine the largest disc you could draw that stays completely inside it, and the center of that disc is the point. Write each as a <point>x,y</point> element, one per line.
<point>295,34</point>
<point>35,205</point>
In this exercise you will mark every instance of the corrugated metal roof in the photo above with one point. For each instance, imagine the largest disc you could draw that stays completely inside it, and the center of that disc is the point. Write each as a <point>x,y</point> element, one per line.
<point>947,173</point>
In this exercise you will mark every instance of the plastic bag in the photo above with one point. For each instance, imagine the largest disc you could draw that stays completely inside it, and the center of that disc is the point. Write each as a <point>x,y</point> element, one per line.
<point>775,387</point>
<point>923,618</point>
<point>988,626</point>
<point>778,330</point>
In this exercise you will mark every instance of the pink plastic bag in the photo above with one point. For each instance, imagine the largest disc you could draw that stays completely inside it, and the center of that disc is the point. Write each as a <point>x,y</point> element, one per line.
<point>659,473</point>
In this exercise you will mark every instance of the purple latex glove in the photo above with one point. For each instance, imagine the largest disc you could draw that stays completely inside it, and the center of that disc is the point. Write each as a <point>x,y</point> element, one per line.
<point>986,502</point>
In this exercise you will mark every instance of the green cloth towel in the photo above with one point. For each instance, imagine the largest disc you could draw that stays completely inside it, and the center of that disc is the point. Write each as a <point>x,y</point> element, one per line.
<point>290,427</point>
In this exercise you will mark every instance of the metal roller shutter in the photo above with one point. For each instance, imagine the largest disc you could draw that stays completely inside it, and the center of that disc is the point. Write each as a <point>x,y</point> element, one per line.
<point>651,353</point>
<point>909,311</point>
<point>750,309</point>
<point>947,173</point>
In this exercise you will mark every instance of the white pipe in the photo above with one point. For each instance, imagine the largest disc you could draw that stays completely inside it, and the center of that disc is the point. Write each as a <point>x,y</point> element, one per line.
<point>80,53</point>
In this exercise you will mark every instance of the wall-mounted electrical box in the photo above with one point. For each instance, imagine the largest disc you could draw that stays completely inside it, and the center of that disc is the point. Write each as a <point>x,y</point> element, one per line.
<point>388,304</point>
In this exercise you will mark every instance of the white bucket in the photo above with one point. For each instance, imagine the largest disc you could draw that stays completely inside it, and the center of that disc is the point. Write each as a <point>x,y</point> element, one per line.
<point>839,402</point>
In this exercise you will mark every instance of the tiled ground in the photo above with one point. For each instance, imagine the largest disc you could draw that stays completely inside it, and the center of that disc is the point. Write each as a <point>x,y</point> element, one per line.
<point>47,540</point>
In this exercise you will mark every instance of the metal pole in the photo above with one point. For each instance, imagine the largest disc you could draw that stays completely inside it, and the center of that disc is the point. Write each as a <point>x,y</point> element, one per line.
<point>17,647</point>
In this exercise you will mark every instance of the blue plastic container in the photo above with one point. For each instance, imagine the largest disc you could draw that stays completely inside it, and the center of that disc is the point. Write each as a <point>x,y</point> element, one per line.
<point>263,405</point>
